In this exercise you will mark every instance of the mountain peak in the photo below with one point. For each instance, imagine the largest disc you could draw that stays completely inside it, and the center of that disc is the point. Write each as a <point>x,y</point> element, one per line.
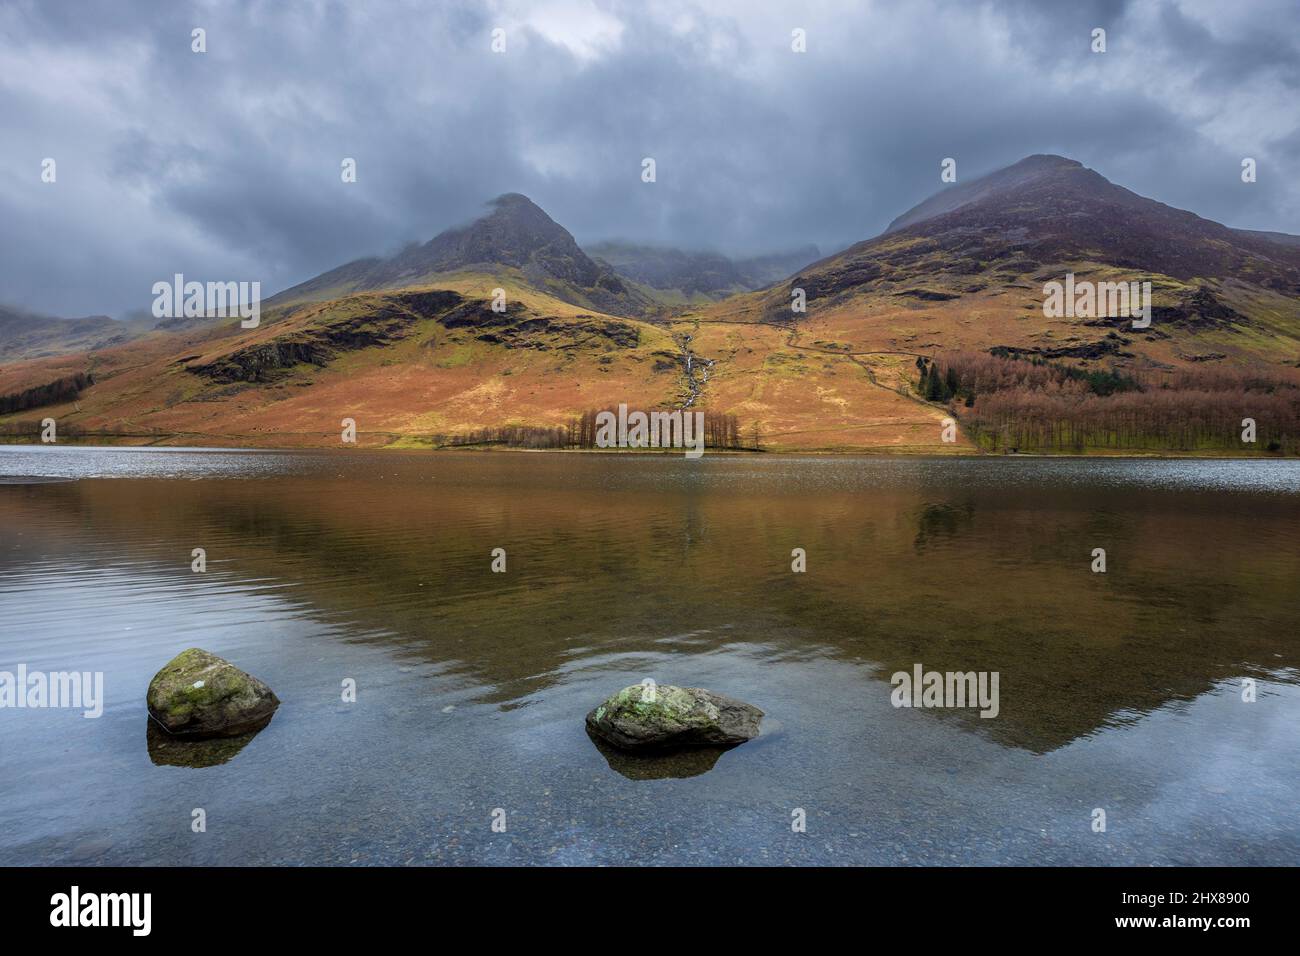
<point>517,233</point>
<point>1048,212</point>
<point>514,233</point>
<point>516,207</point>
<point>513,199</point>
<point>1045,161</point>
<point>1017,176</point>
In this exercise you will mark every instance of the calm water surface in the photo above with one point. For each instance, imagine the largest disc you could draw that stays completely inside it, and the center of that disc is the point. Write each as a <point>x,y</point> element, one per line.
<point>1119,690</point>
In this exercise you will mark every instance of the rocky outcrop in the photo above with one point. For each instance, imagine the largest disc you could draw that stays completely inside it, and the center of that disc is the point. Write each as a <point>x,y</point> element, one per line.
<point>1109,345</point>
<point>928,295</point>
<point>1200,311</point>
<point>198,695</point>
<point>263,362</point>
<point>650,718</point>
<point>834,278</point>
<point>377,323</point>
<point>518,328</point>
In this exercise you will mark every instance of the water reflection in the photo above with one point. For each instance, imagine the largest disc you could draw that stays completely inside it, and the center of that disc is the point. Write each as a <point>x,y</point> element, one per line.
<point>687,762</point>
<point>939,521</point>
<point>473,685</point>
<point>166,750</point>
<point>1197,591</point>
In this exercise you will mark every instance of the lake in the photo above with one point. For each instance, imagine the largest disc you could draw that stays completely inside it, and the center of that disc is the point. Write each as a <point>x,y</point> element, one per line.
<point>1119,691</point>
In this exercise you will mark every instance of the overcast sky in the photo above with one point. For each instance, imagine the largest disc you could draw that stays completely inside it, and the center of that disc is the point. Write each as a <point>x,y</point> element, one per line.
<point>226,165</point>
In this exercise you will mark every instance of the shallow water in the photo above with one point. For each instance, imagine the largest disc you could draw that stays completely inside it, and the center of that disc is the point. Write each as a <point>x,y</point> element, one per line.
<point>1120,691</point>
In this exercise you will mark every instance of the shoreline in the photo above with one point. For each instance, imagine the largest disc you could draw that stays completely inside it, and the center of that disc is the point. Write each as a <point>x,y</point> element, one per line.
<point>398,448</point>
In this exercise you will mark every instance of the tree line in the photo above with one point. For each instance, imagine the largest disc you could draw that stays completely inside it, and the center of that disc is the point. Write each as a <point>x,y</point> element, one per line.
<point>1008,403</point>
<point>54,393</point>
<point>721,430</point>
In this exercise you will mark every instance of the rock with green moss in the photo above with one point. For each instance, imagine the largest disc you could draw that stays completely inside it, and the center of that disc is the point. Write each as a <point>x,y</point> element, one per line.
<point>199,695</point>
<point>648,717</point>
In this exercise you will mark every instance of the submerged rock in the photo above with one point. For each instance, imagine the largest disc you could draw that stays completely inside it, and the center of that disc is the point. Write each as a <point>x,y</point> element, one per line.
<point>657,764</point>
<point>199,695</point>
<point>643,717</point>
<point>169,750</point>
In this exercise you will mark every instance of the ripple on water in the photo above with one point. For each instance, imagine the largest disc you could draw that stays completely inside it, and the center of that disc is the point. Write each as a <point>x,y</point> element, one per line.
<point>1120,690</point>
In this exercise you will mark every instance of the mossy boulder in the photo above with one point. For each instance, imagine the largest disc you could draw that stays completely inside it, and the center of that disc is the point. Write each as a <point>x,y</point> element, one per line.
<point>664,717</point>
<point>199,695</point>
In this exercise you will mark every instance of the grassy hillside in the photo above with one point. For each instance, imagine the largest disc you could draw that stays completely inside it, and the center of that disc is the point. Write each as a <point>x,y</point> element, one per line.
<point>421,366</point>
<point>418,367</point>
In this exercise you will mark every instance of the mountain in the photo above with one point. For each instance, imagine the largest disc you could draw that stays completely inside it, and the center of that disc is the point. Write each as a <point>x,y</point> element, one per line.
<point>966,270</point>
<point>1284,238</point>
<point>1054,209</point>
<point>760,271</point>
<point>694,275</point>
<point>515,237</point>
<point>26,335</point>
<point>411,348</point>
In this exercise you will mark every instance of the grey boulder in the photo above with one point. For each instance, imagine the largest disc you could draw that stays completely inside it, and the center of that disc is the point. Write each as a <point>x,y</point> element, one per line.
<point>199,695</point>
<point>662,717</point>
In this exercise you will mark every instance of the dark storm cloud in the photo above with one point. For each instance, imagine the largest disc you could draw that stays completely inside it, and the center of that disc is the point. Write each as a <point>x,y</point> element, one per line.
<point>226,165</point>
